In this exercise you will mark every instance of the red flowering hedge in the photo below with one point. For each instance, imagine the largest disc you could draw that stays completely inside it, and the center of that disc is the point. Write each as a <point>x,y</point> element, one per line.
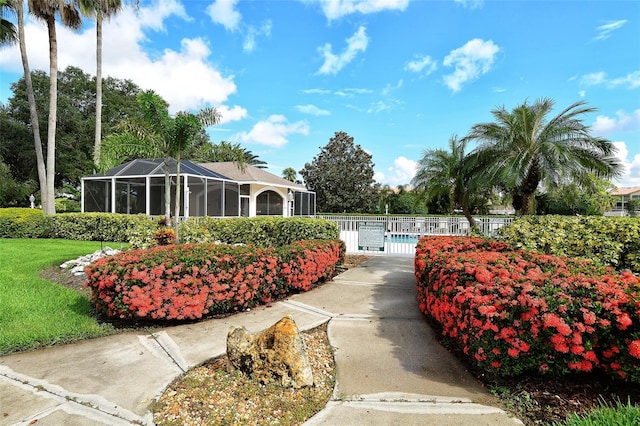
<point>190,281</point>
<point>519,312</point>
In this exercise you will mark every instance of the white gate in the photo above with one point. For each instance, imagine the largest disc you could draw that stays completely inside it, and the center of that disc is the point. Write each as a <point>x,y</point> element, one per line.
<point>401,233</point>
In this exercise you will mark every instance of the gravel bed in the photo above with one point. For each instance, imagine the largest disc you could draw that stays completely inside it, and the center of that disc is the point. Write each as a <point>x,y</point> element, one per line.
<point>211,395</point>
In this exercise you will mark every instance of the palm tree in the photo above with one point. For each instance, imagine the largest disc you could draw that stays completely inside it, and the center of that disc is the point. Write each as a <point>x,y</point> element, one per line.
<point>290,174</point>
<point>102,9</point>
<point>33,112</point>
<point>525,148</point>
<point>449,173</point>
<point>205,152</point>
<point>8,31</point>
<point>46,11</point>
<point>154,133</point>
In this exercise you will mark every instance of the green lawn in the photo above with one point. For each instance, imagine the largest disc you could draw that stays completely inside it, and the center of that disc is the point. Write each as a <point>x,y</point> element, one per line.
<point>33,311</point>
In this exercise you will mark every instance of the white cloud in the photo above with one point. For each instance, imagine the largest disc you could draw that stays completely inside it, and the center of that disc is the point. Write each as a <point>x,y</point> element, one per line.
<point>604,31</point>
<point>222,12</point>
<point>236,113</point>
<point>273,131</point>
<point>401,173</point>
<point>582,93</point>
<point>631,166</point>
<point>422,64</point>
<point>623,122</point>
<point>249,44</point>
<point>312,109</point>
<point>631,80</point>
<point>335,9</point>
<point>470,4</point>
<point>194,81</point>
<point>593,79</point>
<point>379,106</point>
<point>392,88</point>
<point>470,61</point>
<point>334,63</point>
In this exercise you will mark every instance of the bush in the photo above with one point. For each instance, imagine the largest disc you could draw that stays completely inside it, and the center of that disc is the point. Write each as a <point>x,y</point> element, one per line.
<point>612,241</point>
<point>191,281</point>
<point>22,223</point>
<point>515,312</point>
<point>258,231</point>
<point>97,226</point>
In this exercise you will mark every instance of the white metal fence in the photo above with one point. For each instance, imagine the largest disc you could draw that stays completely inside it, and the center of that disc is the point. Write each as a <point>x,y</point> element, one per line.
<point>399,235</point>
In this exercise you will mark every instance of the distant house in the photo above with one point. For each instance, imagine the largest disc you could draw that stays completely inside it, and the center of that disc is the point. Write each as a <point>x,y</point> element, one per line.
<point>210,189</point>
<point>622,198</point>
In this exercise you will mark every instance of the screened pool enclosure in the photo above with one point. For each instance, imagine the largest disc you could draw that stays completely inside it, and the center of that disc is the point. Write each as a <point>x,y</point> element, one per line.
<point>138,187</point>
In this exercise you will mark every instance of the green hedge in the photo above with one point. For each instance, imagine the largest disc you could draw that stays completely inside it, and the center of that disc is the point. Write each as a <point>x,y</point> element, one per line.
<point>31,223</point>
<point>258,231</point>
<point>139,229</point>
<point>21,223</point>
<point>613,241</point>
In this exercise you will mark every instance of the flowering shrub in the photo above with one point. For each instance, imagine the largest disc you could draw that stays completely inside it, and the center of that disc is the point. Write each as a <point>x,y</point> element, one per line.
<point>190,281</point>
<point>518,312</point>
<point>308,262</point>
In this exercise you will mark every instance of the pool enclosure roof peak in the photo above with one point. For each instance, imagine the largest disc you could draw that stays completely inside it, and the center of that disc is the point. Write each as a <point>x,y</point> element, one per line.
<point>149,167</point>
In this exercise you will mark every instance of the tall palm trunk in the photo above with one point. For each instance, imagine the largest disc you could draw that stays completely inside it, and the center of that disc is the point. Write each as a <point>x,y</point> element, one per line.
<point>176,215</point>
<point>167,193</point>
<point>50,206</point>
<point>98,136</point>
<point>33,112</point>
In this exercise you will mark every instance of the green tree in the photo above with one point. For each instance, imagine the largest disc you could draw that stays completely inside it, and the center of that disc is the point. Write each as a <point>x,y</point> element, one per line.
<point>75,128</point>
<point>290,174</point>
<point>47,10</point>
<point>402,201</point>
<point>154,133</point>
<point>592,198</point>
<point>8,31</point>
<point>46,200</point>
<point>450,174</point>
<point>203,151</point>
<point>12,192</point>
<point>525,148</point>
<point>342,177</point>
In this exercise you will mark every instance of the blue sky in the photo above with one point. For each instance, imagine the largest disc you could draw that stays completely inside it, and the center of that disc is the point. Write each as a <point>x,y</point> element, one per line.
<point>399,76</point>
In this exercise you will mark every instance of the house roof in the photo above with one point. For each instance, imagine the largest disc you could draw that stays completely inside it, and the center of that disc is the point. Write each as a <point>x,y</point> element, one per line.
<point>250,174</point>
<point>147,167</point>
<point>626,191</point>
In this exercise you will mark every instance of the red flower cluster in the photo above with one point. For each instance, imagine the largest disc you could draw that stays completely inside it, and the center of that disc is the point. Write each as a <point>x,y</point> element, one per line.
<point>517,312</point>
<point>190,281</point>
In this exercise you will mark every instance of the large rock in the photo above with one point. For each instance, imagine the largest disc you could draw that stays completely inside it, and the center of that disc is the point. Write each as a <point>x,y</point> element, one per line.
<point>275,354</point>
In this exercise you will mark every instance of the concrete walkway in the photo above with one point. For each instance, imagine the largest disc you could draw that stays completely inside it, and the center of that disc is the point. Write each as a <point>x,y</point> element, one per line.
<point>390,369</point>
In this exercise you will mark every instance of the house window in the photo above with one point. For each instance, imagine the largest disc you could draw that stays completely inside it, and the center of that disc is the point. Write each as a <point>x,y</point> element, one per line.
<point>269,203</point>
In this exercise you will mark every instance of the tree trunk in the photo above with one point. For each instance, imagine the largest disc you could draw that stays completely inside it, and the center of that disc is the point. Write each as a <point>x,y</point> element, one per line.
<point>53,109</point>
<point>526,204</point>
<point>167,193</point>
<point>176,215</point>
<point>98,135</point>
<point>33,112</point>
<point>473,226</point>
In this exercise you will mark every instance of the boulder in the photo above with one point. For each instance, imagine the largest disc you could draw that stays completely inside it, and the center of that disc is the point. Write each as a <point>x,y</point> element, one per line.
<point>276,354</point>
